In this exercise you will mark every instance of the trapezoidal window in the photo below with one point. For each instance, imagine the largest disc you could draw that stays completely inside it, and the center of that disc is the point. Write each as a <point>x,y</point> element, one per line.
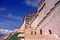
<point>50,31</point>
<point>31,32</point>
<point>40,31</point>
<point>35,32</point>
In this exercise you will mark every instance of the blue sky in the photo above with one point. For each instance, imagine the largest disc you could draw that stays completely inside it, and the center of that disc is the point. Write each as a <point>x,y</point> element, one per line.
<point>12,12</point>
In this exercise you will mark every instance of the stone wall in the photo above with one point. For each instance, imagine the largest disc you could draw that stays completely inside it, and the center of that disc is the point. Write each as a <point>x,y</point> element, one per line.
<point>48,17</point>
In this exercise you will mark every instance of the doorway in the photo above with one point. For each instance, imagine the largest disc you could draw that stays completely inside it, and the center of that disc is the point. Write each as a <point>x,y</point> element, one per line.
<point>21,38</point>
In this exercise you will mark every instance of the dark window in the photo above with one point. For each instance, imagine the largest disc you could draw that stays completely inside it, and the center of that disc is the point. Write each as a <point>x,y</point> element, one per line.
<point>22,37</point>
<point>44,4</point>
<point>40,22</point>
<point>21,32</point>
<point>35,33</point>
<point>48,13</point>
<point>36,16</point>
<point>25,27</point>
<point>42,7</point>
<point>31,32</point>
<point>50,31</point>
<point>52,8</point>
<point>38,25</point>
<point>42,1</point>
<point>44,17</point>
<point>40,31</point>
<point>57,2</point>
<point>59,36</point>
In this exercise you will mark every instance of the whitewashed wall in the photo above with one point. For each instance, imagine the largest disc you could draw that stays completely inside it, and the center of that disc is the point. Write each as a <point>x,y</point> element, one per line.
<point>51,22</point>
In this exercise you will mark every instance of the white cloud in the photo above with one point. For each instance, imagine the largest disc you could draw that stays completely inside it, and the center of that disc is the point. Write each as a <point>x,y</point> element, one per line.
<point>2,9</point>
<point>4,31</point>
<point>33,3</point>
